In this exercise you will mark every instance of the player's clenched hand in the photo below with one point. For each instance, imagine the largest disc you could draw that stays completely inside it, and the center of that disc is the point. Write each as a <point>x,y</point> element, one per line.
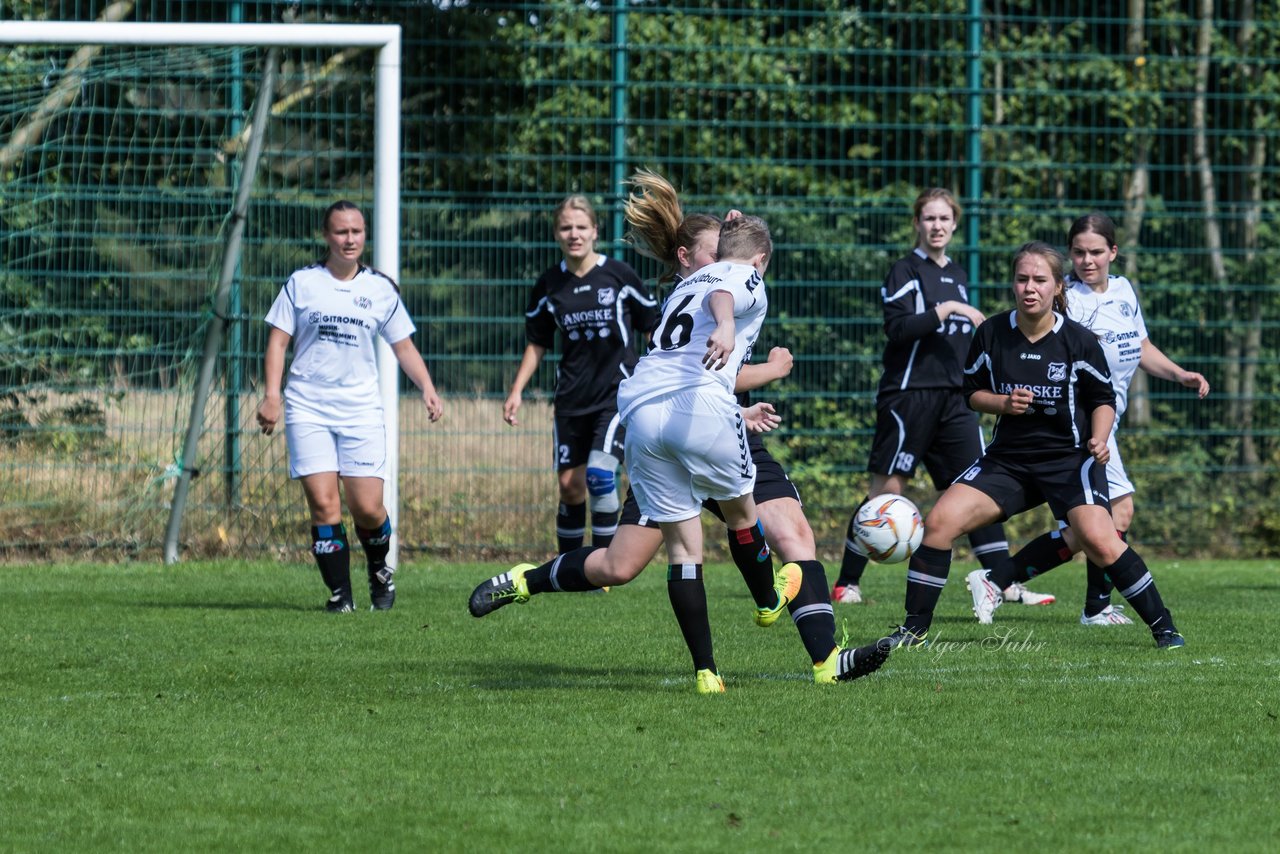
<point>435,408</point>
<point>1101,453</point>
<point>780,360</point>
<point>510,407</point>
<point>761,417</point>
<point>1020,400</point>
<point>269,414</point>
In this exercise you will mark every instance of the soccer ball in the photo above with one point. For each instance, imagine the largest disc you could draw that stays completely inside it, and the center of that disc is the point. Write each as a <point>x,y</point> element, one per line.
<point>887,529</point>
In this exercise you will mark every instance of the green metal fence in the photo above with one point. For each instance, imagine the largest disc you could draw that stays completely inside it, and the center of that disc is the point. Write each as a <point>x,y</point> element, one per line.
<point>824,117</point>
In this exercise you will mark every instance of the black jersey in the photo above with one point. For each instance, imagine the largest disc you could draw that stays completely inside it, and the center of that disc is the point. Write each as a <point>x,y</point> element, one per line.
<point>923,353</point>
<point>598,316</point>
<point>1066,370</point>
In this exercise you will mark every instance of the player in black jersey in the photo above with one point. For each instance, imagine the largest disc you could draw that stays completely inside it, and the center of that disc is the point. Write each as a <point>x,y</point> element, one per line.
<point>921,415</point>
<point>1046,378</point>
<point>686,243</point>
<point>598,305</point>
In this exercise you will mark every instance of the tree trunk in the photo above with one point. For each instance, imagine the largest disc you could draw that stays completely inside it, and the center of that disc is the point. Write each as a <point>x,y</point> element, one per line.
<point>1249,242</point>
<point>1135,197</point>
<point>1209,205</point>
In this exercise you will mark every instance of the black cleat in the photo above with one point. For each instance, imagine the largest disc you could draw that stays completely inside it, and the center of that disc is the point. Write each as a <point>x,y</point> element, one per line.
<point>863,661</point>
<point>340,602</point>
<point>1168,639</point>
<point>382,589</point>
<point>500,590</point>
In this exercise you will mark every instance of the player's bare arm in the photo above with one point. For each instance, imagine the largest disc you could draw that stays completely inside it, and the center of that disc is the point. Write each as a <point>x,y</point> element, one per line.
<point>528,364</point>
<point>1156,363</point>
<point>272,406</point>
<point>721,340</point>
<point>416,370</point>
<point>1001,404</point>
<point>758,374</point>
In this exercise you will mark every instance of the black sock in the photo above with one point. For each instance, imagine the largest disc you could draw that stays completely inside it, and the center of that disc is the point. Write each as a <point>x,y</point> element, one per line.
<point>689,602</point>
<point>571,526</point>
<point>1098,586</point>
<point>377,543</point>
<point>564,573</point>
<point>852,564</point>
<point>751,555</point>
<point>990,546</point>
<point>1136,585</point>
<point>811,612</point>
<point>1045,552</point>
<point>333,556</point>
<point>604,524</point>
<point>926,575</point>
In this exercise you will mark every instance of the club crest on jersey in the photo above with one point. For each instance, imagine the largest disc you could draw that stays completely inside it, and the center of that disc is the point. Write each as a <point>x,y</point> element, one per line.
<point>605,296</point>
<point>1057,371</point>
<point>363,302</point>
<point>1125,309</point>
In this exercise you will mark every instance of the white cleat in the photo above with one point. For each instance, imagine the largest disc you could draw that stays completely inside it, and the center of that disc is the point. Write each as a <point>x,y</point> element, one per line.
<point>847,594</point>
<point>1108,616</point>
<point>986,596</point>
<point>1015,592</point>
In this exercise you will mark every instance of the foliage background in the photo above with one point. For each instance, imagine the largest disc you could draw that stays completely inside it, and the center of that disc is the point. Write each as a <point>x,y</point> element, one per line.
<point>824,117</point>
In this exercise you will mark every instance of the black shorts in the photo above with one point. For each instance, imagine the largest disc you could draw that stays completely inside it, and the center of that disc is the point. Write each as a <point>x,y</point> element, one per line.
<point>576,436</point>
<point>933,426</point>
<point>1018,485</point>
<point>771,483</point>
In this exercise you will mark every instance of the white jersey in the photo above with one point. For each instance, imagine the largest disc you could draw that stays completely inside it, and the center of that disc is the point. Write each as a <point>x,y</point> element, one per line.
<point>1116,318</point>
<point>334,376</point>
<point>674,363</point>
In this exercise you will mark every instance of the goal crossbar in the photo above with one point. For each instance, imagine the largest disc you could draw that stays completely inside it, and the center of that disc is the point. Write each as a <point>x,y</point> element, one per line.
<point>386,162</point>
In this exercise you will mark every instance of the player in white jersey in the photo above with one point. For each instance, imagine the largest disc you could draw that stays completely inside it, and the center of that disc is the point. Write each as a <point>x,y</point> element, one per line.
<point>333,311</point>
<point>661,230</point>
<point>1108,305</point>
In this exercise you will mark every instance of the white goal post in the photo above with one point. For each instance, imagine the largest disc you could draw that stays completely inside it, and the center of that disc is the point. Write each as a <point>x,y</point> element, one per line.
<point>386,193</point>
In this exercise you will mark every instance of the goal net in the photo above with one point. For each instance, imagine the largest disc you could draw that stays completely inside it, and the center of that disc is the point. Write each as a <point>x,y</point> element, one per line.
<point>121,147</point>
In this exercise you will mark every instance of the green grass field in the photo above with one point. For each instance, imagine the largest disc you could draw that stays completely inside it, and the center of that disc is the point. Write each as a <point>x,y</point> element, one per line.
<point>214,706</point>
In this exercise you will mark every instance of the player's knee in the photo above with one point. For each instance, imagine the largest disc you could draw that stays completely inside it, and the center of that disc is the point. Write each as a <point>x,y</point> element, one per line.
<point>615,573</point>
<point>602,482</point>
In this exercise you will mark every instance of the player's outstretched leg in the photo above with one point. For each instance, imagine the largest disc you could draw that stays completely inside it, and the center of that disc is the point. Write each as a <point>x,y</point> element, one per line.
<point>501,590</point>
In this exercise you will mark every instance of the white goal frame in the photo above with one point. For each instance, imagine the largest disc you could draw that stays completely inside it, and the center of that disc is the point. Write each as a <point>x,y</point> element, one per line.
<point>386,160</point>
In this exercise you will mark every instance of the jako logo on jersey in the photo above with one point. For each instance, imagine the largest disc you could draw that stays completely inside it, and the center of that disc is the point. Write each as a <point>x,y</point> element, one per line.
<point>326,547</point>
<point>605,296</point>
<point>363,302</point>
<point>1057,372</point>
<point>1035,357</point>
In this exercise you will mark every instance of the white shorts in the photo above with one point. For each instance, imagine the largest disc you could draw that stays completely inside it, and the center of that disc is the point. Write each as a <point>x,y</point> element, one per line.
<point>350,451</point>
<point>683,448</point>
<point>1118,483</point>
